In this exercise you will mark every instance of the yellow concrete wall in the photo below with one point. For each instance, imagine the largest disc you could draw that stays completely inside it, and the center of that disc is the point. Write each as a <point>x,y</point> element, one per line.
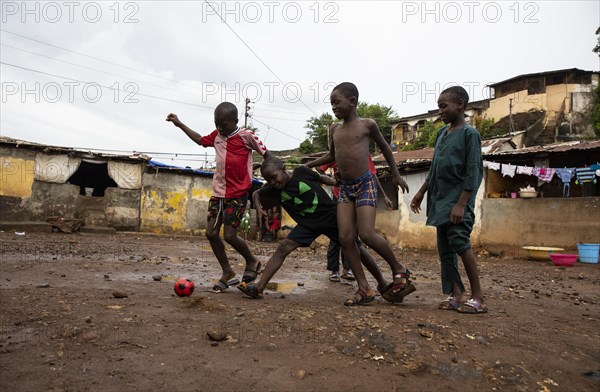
<point>16,176</point>
<point>562,222</point>
<point>551,101</point>
<point>166,211</point>
<point>174,202</point>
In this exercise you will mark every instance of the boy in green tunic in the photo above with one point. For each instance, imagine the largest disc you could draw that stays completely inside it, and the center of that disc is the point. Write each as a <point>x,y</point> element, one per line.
<point>451,185</point>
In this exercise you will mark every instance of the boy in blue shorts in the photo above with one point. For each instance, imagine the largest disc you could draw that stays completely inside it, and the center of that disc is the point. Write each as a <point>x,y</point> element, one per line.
<point>451,185</point>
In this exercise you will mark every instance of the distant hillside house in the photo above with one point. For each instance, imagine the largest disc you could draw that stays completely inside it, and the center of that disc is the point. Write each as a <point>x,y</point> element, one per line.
<point>563,96</point>
<point>550,106</point>
<point>406,129</point>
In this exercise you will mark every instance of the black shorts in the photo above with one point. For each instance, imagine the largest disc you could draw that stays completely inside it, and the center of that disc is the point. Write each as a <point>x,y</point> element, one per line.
<point>305,236</point>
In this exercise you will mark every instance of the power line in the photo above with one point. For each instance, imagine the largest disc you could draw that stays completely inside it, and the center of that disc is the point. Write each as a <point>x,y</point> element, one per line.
<point>124,66</point>
<point>95,58</point>
<point>140,94</point>
<point>277,106</point>
<point>107,87</point>
<point>96,70</point>
<point>281,111</point>
<point>136,80</point>
<point>277,129</point>
<point>254,53</point>
<point>282,119</point>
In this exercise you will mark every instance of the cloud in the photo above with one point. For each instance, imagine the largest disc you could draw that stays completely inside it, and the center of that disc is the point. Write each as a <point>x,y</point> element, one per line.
<point>399,54</point>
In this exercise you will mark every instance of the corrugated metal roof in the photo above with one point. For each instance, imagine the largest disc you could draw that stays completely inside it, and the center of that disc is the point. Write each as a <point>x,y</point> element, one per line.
<point>424,154</point>
<point>551,148</point>
<point>576,70</point>
<point>490,145</point>
<point>134,156</point>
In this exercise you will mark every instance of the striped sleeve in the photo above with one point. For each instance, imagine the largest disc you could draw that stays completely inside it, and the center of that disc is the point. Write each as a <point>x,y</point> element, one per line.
<point>252,142</point>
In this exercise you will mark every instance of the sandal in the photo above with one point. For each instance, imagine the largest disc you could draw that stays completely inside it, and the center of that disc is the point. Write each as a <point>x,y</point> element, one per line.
<point>472,306</point>
<point>360,298</point>
<point>387,294</point>
<point>401,290</point>
<point>450,303</point>
<point>250,290</point>
<point>251,275</point>
<point>348,275</point>
<point>221,285</point>
<point>334,277</point>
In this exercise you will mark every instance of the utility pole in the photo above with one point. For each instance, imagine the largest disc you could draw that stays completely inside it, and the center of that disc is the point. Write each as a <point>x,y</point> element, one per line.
<point>246,109</point>
<point>511,125</point>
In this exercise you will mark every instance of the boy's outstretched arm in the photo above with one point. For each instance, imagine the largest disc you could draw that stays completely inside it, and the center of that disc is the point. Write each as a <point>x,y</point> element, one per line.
<point>196,137</point>
<point>321,161</point>
<point>325,179</point>
<point>376,135</point>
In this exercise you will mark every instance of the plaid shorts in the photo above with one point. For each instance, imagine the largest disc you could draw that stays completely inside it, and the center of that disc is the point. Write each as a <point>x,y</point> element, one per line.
<point>361,191</point>
<point>230,210</point>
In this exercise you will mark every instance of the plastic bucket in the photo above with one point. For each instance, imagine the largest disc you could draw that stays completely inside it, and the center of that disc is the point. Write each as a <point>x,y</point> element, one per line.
<point>588,253</point>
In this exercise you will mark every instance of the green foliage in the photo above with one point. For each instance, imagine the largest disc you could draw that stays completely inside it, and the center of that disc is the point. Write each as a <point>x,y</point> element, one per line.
<point>595,112</point>
<point>318,132</point>
<point>292,162</point>
<point>306,147</point>
<point>382,116</point>
<point>485,128</point>
<point>319,126</point>
<point>426,136</point>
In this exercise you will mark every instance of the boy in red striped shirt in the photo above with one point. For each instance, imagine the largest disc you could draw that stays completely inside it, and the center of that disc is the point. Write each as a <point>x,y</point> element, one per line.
<point>231,182</point>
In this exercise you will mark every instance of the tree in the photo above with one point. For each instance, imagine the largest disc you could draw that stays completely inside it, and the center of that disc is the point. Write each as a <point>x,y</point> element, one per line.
<point>306,147</point>
<point>486,128</point>
<point>426,136</point>
<point>382,116</point>
<point>319,126</point>
<point>318,132</point>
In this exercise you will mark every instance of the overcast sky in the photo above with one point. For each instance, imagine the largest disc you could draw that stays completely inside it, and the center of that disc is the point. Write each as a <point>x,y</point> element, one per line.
<point>105,74</point>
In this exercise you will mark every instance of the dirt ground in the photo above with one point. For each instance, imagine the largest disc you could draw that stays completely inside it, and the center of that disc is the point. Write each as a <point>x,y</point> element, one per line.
<point>63,329</point>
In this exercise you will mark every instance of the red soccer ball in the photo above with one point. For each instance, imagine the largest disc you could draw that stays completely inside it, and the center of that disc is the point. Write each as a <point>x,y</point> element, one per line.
<point>184,287</point>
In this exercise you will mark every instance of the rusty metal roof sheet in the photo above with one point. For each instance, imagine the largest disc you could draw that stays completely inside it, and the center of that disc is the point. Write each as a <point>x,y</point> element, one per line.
<point>550,148</point>
<point>135,156</point>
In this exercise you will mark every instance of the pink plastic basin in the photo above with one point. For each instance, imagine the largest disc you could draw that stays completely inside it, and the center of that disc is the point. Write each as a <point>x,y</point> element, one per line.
<point>563,259</point>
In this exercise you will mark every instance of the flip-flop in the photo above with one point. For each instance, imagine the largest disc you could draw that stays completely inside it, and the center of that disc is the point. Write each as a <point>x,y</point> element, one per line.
<point>450,303</point>
<point>472,306</point>
<point>364,299</point>
<point>251,275</point>
<point>251,290</point>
